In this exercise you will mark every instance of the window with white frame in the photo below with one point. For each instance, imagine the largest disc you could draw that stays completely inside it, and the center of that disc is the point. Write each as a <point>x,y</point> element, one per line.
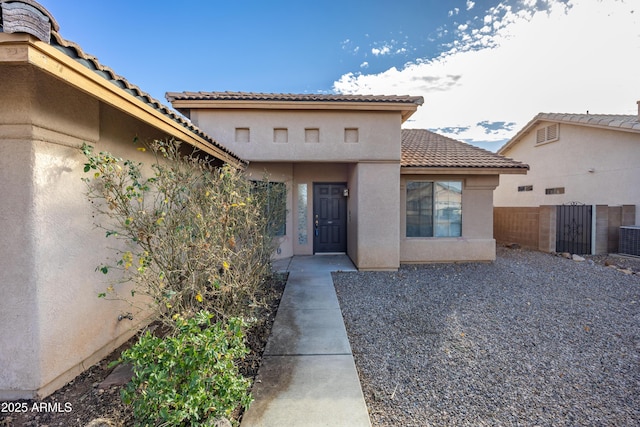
<point>434,209</point>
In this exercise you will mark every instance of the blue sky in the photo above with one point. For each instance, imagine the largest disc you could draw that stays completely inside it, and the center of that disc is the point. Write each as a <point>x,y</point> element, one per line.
<point>484,67</point>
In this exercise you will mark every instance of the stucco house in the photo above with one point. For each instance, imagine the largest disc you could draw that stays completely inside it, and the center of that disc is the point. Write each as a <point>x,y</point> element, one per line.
<point>357,183</point>
<point>586,158</point>
<point>589,159</point>
<point>54,98</point>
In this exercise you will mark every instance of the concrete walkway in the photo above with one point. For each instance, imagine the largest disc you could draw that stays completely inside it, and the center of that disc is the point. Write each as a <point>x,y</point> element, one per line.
<point>308,376</point>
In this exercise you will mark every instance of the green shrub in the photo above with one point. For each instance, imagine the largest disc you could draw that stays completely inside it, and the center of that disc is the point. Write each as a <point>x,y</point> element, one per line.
<point>190,378</point>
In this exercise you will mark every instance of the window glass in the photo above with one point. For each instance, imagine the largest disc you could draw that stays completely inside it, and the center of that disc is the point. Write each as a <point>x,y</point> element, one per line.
<point>275,194</point>
<point>419,209</point>
<point>434,209</point>
<point>302,214</point>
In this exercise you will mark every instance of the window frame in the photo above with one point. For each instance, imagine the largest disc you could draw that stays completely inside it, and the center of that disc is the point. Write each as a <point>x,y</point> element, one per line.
<point>554,191</point>
<point>435,218</point>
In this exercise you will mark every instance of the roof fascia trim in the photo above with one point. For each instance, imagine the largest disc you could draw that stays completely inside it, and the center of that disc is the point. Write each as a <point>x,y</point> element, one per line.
<point>415,170</point>
<point>56,63</point>
<point>542,117</point>
<point>407,109</point>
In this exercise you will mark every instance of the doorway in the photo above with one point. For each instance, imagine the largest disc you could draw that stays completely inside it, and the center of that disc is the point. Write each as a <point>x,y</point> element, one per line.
<point>329,217</point>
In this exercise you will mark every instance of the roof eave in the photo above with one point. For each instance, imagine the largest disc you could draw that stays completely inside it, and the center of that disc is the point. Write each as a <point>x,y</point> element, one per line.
<point>22,48</point>
<point>405,108</point>
<point>544,117</point>
<point>444,170</point>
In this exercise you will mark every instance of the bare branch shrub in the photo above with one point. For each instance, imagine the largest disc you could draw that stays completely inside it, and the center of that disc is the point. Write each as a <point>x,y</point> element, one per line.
<point>197,237</point>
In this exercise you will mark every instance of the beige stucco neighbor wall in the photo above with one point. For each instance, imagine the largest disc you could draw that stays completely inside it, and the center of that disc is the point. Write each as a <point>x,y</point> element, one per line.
<point>595,167</point>
<point>476,242</point>
<point>55,326</point>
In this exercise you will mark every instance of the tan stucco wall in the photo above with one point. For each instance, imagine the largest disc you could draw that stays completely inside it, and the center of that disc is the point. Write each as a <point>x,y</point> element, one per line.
<point>476,242</point>
<point>50,245</point>
<point>613,156</point>
<point>378,134</point>
<point>377,206</point>
<point>369,167</point>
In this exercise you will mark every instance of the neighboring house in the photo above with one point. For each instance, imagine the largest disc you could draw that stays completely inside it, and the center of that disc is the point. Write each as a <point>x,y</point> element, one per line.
<point>54,98</point>
<point>357,183</point>
<point>585,158</point>
<point>590,159</point>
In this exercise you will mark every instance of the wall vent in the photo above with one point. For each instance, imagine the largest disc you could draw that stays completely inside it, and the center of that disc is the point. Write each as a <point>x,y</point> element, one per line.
<point>547,134</point>
<point>629,240</point>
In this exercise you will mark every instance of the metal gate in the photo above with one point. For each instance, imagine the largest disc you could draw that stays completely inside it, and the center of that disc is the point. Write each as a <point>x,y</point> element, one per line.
<point>573,228</point>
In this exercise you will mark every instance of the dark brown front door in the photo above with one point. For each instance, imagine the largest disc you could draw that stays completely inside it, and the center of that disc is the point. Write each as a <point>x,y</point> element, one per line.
<point>329,218</point>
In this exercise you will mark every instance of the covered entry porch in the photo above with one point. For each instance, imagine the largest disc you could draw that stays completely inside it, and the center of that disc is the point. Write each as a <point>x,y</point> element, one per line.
<point>351,208</point>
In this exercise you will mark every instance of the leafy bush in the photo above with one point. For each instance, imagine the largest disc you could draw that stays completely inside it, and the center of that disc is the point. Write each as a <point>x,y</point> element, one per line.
<point>194,236</point>
<point>190,378</point>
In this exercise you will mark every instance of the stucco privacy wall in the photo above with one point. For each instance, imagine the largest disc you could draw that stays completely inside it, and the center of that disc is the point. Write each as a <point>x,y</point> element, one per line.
<point>476,242</point>
<point>611,154</point>
<point>51,246</point>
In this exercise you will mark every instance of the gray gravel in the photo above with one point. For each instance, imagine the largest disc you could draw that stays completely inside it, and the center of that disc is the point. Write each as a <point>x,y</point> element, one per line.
<point>531,339</point>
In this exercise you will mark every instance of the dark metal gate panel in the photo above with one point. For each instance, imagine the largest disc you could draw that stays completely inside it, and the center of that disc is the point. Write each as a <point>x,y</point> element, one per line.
<point>573,229</point>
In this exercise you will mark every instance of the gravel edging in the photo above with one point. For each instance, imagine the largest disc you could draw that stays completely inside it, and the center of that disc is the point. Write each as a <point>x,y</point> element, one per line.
<point>530,339</point>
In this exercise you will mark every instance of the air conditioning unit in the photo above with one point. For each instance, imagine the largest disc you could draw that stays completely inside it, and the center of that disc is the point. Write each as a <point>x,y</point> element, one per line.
<point>629,240</point>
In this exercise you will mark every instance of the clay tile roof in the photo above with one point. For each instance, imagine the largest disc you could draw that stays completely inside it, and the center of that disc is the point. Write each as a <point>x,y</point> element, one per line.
<point>423,148</point>
<point>621,122</point>
<point>625,121</point>
<point>290,97</point>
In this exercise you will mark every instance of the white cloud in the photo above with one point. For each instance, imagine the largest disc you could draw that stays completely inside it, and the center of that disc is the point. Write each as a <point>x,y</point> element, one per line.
<point>584,56</point>
<point>384,50</point>
<point>365,64</point>
<point>455,11</point>
<point>470,4</point>
<point>347,45</point>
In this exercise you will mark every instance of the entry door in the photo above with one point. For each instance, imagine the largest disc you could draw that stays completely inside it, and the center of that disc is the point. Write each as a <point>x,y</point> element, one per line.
<point>329,218</point>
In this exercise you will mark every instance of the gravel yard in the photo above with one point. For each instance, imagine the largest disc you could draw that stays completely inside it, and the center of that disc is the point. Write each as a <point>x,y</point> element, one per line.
<point>531,339</point>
